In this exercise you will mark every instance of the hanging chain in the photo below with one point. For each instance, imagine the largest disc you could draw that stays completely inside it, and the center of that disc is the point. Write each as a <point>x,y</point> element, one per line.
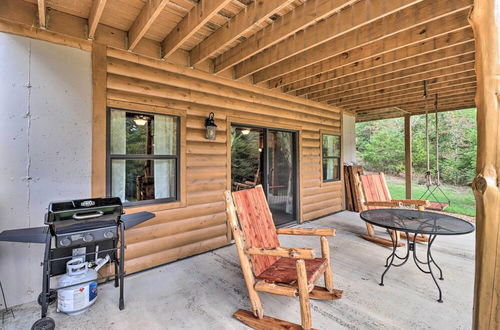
<point>428,182</point>
<point>437,142</point>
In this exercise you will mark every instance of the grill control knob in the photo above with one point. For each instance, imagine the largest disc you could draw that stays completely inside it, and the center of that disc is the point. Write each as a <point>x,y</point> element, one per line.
<point>88,238</point>
<point>109,234</point>
<point>65,242</point>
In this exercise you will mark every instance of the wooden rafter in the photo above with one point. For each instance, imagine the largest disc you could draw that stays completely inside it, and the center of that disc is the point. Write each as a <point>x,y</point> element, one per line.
<point>401,67</point>
<point>256,13</point>
<point>341,22</point>
<point>353,63</point>
<point>367,103</point>
<point>95,16</point>
<point>417,105</point>
<point>191,23</point>
<point>403,99</point>
<point>285,26</point>
<point>453,65</point>
<point>406,89</point>
<point>439,76</point>
<point>392,114</point>
<point>412,18</point>
<point>438,37</point>
<point>42,14</point>
<point>143,22</point>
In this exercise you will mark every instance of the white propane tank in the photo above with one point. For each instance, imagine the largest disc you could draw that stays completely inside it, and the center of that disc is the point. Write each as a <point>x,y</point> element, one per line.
<point>77,299</point>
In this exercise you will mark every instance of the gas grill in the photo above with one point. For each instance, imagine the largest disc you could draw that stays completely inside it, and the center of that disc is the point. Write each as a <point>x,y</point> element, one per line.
<point>81,221</point>
<point>85,228</point>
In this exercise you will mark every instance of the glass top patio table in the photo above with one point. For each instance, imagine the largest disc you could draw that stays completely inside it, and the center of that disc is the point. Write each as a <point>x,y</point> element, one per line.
<point>418,222</point>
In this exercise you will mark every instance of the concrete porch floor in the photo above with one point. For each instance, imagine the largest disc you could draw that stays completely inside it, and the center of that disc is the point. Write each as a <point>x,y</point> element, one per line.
<point>202,292</point>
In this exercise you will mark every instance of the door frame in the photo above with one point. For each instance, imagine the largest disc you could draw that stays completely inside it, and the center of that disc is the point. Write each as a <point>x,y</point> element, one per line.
<point>297,137</point>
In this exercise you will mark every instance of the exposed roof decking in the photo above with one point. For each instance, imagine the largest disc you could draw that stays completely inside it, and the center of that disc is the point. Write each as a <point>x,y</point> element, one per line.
<point>368,57</point>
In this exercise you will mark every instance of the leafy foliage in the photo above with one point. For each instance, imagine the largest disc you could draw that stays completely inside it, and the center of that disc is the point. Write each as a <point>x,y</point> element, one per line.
<point>380,145</point>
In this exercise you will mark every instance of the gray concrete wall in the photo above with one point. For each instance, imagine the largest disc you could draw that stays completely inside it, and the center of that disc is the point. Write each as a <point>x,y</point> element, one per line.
<point>45,146</point>
<point>349,138</point>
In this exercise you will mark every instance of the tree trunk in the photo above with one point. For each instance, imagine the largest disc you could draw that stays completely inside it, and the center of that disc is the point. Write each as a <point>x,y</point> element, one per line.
<point>485,185</point>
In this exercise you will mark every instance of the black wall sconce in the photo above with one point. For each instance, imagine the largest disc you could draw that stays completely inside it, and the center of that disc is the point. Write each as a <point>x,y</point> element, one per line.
<point>211,127</point>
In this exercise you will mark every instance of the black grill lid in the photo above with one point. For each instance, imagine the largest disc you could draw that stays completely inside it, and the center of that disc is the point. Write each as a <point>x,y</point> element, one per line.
<point>84,209</point>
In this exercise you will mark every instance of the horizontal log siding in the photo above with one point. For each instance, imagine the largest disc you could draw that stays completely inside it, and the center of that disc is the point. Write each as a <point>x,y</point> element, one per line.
<point>201,225</point>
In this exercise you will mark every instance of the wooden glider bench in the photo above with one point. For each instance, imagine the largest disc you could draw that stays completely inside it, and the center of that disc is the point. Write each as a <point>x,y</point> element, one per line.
<point>374,193</point>
<point>268,267</point>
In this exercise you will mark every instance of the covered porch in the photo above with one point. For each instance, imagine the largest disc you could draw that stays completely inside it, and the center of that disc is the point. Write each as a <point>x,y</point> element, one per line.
<point>201,292</point>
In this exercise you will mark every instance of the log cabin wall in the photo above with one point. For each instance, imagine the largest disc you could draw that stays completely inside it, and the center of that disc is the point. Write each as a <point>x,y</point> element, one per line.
<point>198,222</point>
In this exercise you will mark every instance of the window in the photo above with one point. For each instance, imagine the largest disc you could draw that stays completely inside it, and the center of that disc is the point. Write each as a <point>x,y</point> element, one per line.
<point>143,157</point>
<point>331,157</point>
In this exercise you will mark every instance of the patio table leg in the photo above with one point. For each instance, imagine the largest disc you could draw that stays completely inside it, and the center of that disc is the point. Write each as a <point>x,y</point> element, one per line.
<point>429,262</point>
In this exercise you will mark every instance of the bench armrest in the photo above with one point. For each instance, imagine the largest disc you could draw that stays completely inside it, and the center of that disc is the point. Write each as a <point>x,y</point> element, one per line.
<point>307,231</point>
<point>384,204</point>
<point>412,202</point>
<point>282,252</point>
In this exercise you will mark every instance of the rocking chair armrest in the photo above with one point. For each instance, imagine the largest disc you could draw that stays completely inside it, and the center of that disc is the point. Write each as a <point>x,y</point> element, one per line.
<point>384,203</point>
<point>296,253</point>
<point>412,202</point>
<point>307,231</point>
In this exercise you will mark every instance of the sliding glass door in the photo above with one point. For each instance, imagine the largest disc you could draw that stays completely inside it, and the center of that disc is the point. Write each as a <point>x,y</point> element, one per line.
<point>268,157</point>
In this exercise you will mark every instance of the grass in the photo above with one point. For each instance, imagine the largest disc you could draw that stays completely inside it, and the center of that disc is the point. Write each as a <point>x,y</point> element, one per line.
<point>462,199</point>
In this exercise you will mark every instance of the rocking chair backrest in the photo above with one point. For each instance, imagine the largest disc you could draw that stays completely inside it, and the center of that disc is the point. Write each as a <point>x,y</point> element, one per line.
<point>375,188</point>
<point>257,224</point>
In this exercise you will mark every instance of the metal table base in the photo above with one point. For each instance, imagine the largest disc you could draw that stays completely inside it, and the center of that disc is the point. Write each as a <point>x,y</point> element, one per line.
<point>423,266</point>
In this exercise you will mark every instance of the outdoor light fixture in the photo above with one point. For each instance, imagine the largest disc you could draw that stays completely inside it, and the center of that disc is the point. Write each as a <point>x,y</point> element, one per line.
<point>246,131</point>
<point>211,127</point>
<point>140,120</point>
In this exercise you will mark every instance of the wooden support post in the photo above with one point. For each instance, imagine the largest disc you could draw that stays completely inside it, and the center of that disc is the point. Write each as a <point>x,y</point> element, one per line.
<point>408,160</point>
<point>305,304</point>
<point>99,76</point>
<point>485,185</point>
<point>325,252</point>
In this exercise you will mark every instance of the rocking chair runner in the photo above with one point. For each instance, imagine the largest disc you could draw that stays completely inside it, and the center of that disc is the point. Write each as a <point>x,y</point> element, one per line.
<point>375,194</point>
<point>268,267</point>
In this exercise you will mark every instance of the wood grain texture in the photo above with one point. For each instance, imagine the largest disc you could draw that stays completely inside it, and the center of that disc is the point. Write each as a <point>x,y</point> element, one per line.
<point>484,21</point>
<point>257,224</point>
<point>284,270</point>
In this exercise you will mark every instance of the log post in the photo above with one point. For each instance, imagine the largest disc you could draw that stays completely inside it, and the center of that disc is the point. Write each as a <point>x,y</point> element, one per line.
<point>408,160</point>
<point>485,185</point>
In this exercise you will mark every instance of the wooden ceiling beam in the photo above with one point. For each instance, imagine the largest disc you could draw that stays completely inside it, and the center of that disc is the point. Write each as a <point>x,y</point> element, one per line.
<point>404,89</point>
<point>354,65</point>
<point>424,72</point>
<point>444,88</point>
<point>414,18</point>
<point>197,17</point>
<point>348,19</point>
<point>390,115</point>
<point>285,26</point>
<point>256,13</point>
<point>42,19</point>
<point>464,69</point>
<point>143,22</point>
<point>377,51</point>
<point>403,67</point>
<point>402,99</point>
<point>440,77</point>
<point>95,16</point>
<point>419,103</point>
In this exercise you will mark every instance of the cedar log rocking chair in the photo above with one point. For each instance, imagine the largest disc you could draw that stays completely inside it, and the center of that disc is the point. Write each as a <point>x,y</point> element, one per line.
<point>268,267</point>
<point>374,193</point>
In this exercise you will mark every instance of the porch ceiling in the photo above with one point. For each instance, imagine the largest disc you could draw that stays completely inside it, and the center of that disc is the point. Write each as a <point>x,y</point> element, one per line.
<point>368,57</point>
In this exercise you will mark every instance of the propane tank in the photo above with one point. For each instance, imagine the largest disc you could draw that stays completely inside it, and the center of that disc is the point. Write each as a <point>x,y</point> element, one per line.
<point>76,299</point>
